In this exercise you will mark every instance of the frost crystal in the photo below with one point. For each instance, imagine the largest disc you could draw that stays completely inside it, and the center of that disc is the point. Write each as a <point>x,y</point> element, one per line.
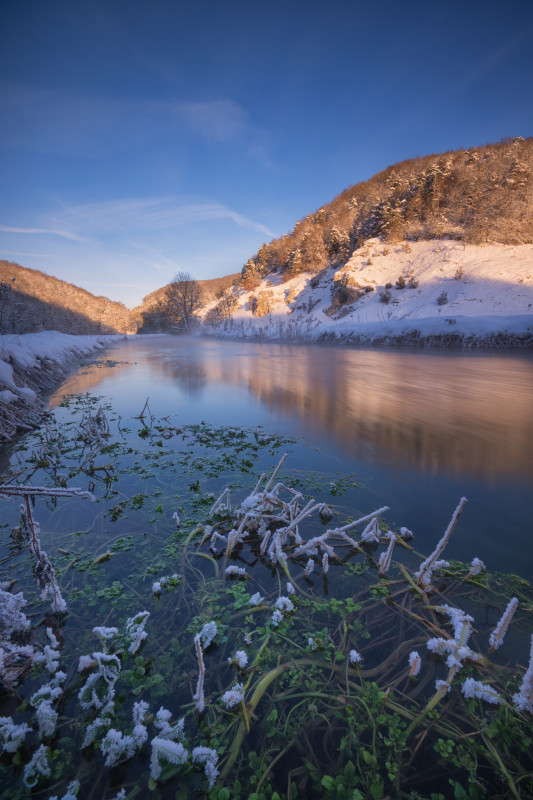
<point>37,767</point>
<point>135,630</point>
<point>476,567</point>
<point>99,688</point>
<point>165,750</point>
<point>276,618</point>
<point>355,657</point>
<point>11,617</point>
<point>168,731</point>
<point>11,735</point>
<point>284,604</point>
<point>46,716</point>
<point>240,658</point>
<point>85,662</point>
<point>473,688</point>
<point>442,685</point>
<point>207,634</point>
<point>117,747</point>
<point>309,567</point>
<point>92,730</point>
<point>385,558</point>
<point>104,633</point>
<point>523,699</point>
<point>456,648</point>
<point>71,792</point>
<point>497,635</point>
<point>371,532</point>
<point>233,696</point>
<point>209,758</point>
<point>120,796</point>
<point>235,572</point>
<point>415,662</point>
<point>256,599</point>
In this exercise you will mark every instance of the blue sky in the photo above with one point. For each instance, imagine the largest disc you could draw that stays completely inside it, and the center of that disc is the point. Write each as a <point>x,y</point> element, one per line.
<point>141,138</point>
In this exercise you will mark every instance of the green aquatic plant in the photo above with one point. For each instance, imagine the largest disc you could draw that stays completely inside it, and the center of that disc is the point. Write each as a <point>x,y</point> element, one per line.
<point>301,654</point>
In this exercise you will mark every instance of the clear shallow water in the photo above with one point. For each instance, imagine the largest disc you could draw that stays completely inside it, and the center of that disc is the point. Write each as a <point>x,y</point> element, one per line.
<point>419,429</point>
<point>362,429</point>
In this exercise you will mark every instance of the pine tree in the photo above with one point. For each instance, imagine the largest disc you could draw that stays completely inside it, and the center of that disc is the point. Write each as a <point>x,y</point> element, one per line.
<point>249,275</point>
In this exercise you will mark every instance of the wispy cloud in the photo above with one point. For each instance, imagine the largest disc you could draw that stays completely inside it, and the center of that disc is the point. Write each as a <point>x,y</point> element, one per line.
<point>27,255</point>
<point>158,260</point>
<point>42,231</point>
<point>146,214</point>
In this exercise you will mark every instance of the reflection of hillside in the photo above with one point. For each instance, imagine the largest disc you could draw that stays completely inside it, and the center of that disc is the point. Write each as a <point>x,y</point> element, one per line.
<point>88,378</point>
<point>425,411</point>
<point>437,413</point>
<point>188,373</point>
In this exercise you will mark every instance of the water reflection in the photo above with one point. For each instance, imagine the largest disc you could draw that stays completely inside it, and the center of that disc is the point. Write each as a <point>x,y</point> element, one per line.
<point>451,413</point>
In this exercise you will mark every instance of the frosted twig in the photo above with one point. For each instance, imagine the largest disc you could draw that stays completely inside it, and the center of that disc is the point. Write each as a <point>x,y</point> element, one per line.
<point>225,494</point>
<point>424,575</point>
<point>523,699</point>
<point>199,694</point>
<point>385,558</point>
<point>44,491</point>
<point>497,635</point>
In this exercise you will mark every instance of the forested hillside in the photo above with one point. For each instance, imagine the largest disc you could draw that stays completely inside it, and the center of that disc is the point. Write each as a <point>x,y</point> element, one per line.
<point>480,195</point>
<point>31,301</point>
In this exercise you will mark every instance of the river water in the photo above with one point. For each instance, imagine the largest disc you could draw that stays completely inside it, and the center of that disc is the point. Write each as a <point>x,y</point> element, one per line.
<point>419,430</point>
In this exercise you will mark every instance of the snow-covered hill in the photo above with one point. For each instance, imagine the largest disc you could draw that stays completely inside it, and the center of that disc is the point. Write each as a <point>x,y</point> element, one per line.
<point>453,294</point>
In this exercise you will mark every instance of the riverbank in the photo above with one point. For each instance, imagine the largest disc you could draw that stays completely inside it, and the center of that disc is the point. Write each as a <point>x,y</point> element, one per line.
<point>31,365</point>
<point>438,293</point>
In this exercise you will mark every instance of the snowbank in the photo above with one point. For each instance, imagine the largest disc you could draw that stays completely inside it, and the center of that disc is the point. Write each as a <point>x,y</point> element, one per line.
<point>33,363</point>
<point>429,292</point>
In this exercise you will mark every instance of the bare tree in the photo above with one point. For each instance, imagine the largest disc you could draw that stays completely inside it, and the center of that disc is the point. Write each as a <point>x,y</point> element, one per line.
<point>183,297</point>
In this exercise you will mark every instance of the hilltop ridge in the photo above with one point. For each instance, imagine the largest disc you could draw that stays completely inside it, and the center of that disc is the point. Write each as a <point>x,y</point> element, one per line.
<point>454,237</point>
<point>40,302</point>
<point>475,206</point>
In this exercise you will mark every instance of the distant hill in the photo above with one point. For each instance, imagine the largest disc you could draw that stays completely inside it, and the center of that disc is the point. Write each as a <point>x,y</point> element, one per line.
<point>150,311</point>
<point>38,302</point>
<point>477,197</point>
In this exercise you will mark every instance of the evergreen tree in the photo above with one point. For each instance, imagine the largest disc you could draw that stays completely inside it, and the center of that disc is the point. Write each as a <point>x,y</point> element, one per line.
<point>250,275</point>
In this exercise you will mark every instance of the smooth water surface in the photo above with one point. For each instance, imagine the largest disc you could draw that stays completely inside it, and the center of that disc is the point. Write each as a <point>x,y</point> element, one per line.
<point>419,429</point>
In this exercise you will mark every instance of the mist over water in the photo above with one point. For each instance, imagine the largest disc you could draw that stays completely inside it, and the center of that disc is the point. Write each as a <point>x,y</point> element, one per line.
<point>419,429</point>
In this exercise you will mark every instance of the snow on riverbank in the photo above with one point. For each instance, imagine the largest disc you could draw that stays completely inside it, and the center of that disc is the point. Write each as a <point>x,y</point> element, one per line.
<point>433,292</point>
<point>32,363</point>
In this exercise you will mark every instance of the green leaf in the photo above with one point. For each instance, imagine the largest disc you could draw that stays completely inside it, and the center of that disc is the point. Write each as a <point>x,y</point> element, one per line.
<point>376,791</point>
<point>349,770</point>
<point>327,782</point>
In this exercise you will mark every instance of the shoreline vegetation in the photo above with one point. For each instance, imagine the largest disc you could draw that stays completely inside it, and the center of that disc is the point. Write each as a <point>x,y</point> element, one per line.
<point>257,643</point>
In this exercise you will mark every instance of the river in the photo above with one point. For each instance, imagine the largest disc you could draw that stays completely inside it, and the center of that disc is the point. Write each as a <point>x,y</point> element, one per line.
<point>418,429</point>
